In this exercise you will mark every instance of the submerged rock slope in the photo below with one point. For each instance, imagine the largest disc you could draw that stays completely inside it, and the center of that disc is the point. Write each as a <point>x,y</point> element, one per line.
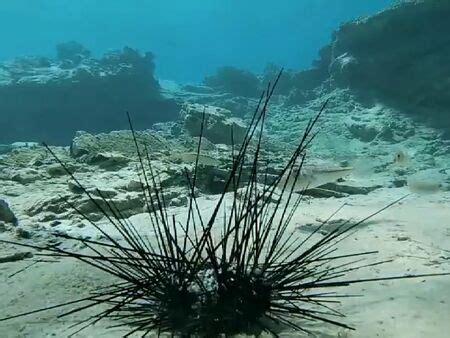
<point>399,56</point>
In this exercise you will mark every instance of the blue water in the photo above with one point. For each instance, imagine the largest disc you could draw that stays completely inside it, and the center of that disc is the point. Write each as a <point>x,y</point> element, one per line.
<point>189,38</point>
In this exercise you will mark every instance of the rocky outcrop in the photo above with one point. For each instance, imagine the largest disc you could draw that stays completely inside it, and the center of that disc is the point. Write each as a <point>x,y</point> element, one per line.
<point>6,148</point>
<point>399,56</point>
<point>238,90</point>
<point>48,100</point>
<point>218,126</point>
<point>235,81</point>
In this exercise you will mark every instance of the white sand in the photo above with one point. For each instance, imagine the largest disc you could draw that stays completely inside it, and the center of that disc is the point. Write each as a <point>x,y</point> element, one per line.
<point>415,233</point>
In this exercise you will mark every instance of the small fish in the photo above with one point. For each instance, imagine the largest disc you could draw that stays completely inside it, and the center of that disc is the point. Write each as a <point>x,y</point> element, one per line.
<point>402,158</point>
<point>313,176</point>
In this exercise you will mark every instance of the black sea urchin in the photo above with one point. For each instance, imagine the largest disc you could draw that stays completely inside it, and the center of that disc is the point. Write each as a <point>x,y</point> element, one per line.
<point>245,272</point>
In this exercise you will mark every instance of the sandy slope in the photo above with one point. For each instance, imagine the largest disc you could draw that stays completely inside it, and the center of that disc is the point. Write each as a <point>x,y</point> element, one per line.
<point>414,233</point>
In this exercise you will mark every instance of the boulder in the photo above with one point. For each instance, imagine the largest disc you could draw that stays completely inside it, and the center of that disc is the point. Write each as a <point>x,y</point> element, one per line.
<point>218,123</point>
<point>236,81</point>
<point>56,169</point>
<point>6,214</point>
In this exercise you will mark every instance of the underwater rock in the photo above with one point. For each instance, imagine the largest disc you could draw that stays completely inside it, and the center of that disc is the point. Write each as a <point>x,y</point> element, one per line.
<point>6,214</point>
<point>26,176</point>
<point>33,157</point>
<point>6,148</point>
<point>362,131</point>
<point>103,192</point>
<point>108,160</point>
<point>244,86</point>
<point>174,197</point>
<point>128,205</point>
<point>18,256</point>
<point>55,169</point>
<point>297,87</point>
<point>58,207</point>
<point>378,128</point>
<point>47,217</point>
<point>398,182</point>
<point>297,97</point>
<point>119,142</point>
<point>399,56</point>
<point>168,129</point>
<point>178,201</point>
<point>71,53</point>
<point>238,105</point>
<point>81,93</point>
<point>205,145</point>
<point>235,81</point>
<point>82,144</point>
<point>324,193</point>
<point>192,157</point>
<point>218,124</point>
<point>211,180</point>
<point>23,233</point>
<point>53,205</point>
<point>74,188</point>
<point>303,85</point>
<point>134,185</point>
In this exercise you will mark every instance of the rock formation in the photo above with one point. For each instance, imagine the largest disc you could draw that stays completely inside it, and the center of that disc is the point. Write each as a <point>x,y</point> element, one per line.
<point>218,126</point>
<point>48,100</point>
<point>399,56</point>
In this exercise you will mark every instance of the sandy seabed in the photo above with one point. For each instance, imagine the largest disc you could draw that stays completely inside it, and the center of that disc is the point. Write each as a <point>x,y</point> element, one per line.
<point>414,233</point>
